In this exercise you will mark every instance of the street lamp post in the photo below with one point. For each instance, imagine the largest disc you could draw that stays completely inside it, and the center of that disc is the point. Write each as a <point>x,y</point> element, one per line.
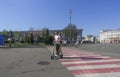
<point>70,27</point>
<point>10,35</point>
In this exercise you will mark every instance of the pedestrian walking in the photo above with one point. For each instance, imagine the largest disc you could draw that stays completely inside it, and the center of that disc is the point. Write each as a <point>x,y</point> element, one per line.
<point>57,44</point>
<point>60,49</point>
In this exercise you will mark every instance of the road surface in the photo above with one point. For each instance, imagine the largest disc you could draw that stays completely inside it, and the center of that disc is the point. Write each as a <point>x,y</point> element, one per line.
<point>30,62</point>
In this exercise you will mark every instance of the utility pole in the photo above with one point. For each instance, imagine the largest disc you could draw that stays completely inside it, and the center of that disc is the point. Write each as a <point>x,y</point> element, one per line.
<point>70,13</point>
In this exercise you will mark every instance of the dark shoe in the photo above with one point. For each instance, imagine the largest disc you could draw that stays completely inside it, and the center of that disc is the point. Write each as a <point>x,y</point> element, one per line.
<point>61,56</point>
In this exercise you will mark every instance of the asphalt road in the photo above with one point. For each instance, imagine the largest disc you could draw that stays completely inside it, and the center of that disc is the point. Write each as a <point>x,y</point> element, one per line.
<point>36,62</point>
<point>112,50</point>
<point>30,62</point>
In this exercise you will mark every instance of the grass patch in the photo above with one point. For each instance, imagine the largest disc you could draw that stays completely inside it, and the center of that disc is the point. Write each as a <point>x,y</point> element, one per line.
<point>26,45</point>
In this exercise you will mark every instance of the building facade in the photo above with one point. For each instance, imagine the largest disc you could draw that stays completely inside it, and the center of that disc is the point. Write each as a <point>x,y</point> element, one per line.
<point>79,33</point>
<point>110,36</point>
<point>89,39</point>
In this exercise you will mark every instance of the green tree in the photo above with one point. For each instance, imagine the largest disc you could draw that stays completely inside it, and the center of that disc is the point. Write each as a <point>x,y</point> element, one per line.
<point>26,39</point>
<point>6,34</point>
<point>49,39</point>
<point>31,38</point>
<point>17,35</point>
<point>45,33</point>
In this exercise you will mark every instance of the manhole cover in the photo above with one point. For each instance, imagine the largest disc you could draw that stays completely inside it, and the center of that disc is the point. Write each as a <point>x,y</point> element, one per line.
<point>43,63</point>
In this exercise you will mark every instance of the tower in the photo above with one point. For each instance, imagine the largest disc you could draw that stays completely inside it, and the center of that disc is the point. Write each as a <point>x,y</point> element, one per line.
<point>70,13</point>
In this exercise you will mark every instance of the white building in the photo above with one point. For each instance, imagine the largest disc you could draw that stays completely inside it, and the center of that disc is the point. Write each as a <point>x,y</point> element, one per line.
<point>89,39</point>
<point>110,36</point>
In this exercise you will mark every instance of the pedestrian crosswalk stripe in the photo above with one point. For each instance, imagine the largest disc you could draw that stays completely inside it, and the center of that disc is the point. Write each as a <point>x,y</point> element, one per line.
<point>93,67</point>
<point>112,74</point>
<point>82,59</point>
<point>92,64</point>
<point>95,71</point>
<point>91,61</point>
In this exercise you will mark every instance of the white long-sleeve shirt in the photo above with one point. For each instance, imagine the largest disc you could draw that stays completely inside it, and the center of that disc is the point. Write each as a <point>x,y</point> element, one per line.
<point>57,39</point>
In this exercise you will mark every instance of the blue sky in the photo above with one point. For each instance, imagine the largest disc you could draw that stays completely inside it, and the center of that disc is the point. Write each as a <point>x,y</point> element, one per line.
<point>90,15</point>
